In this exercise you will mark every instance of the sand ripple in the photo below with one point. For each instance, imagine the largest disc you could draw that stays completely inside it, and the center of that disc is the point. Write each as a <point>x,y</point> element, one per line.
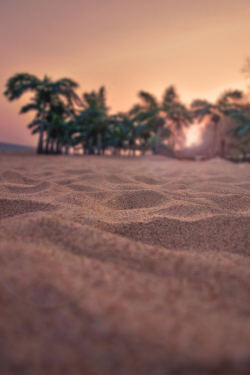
<point>137,199</point>
<point>124,266</point>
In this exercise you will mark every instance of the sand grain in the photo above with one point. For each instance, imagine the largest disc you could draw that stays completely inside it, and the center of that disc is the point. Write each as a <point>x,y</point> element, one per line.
<point>124,266</point>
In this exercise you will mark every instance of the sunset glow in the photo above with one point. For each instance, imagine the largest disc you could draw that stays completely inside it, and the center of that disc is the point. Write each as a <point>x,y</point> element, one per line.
<point>193,134</point>
<point>198,46</point>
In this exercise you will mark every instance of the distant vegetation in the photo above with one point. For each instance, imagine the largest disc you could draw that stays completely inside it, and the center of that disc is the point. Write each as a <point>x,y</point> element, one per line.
<point>64,120</point>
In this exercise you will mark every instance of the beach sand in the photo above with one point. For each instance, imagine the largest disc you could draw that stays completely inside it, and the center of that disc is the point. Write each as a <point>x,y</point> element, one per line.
<point>124,265</point>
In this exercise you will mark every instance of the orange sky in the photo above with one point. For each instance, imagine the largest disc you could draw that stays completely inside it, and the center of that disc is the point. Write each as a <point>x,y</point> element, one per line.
<point>126,45</point>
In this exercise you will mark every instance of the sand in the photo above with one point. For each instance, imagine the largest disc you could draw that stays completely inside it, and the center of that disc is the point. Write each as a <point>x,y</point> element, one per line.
<point>124,266</point>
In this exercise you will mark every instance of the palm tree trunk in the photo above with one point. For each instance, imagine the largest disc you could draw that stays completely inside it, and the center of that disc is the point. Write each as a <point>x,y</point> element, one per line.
<point>66,149</point>
<point>99,143</point>
<point>172,145</point>
<point>90,146</point>
<point>214,139</point>
<point>158,140</point>
<point>222,148</point>
<point>52,146</point>
<point>47,145</point>
<point>40,141</point>
<point>58,146</point>
<point>48,139</point>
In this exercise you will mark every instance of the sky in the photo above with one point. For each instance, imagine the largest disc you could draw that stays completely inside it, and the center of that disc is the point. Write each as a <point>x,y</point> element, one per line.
<point>127,45</point>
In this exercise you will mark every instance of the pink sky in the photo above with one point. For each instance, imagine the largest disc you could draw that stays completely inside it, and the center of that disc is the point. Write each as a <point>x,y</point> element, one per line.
<point>126,45</point>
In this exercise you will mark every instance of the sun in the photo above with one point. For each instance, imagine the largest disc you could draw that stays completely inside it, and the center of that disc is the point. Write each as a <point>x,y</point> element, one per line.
<point>193,134</point>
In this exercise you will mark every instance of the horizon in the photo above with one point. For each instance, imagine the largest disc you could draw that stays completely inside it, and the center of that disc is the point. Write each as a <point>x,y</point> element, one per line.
<point>139,45</point>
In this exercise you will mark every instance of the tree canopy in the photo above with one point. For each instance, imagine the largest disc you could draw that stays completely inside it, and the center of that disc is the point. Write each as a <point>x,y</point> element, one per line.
<point>65,120</point>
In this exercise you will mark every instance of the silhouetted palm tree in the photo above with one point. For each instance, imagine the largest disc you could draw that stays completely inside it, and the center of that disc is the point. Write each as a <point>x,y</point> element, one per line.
<point>44,89</point>
<point>223,106</point>
<point>58,120</point>
<point>95,112</point>
<point>170,112</point>
<point>149,117</point>
<point>132,130</point>
<point>177,114</point>
<point>121,132</point>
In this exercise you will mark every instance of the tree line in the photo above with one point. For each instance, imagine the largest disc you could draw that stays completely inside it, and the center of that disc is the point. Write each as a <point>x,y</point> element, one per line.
<point>63,119</point>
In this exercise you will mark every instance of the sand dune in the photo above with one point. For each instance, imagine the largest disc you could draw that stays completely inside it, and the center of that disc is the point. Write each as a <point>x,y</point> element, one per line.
<point>124,266</point>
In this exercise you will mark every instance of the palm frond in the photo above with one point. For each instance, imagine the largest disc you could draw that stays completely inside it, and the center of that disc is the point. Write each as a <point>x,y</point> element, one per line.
<point>243,121</point>
<point>29,107</point>
<point>170,95</point>
<point>19,84</point>
<point>148,99</point>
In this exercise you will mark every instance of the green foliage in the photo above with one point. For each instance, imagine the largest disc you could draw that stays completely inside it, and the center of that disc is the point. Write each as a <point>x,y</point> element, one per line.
<point>70,121</point>
<point>46,94</point>
<point>225,105</point>
<point>20,83</point>
<point>243,123</point>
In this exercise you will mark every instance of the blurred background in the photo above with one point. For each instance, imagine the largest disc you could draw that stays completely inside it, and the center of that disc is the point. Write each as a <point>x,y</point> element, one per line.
<point>128,46</point>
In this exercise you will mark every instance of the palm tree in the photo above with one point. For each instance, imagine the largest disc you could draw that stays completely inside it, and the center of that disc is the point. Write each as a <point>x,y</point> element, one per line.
<point>155,115</point>
<point>130,127</point>
<point>44,89</point>
<point>144,133</point>
<point>243,123</point>
<point>177,115</point>
<point>242,129</point>
<point>223,106</point>
<point>149,117</point>
<point>57,112</point>
<point>120,132</point>
<point>58,120</point>
<point>95,110</point>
